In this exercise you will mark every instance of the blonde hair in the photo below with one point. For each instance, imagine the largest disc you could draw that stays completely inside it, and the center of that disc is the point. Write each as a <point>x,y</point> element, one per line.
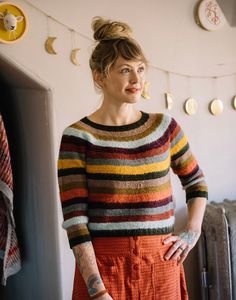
<point>114,40</point>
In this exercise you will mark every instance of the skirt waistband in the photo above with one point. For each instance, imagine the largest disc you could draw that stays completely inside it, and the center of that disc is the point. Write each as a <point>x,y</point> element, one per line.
<point>114,245</point>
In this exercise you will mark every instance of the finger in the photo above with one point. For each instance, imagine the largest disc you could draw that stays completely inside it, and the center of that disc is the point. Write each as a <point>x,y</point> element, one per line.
<point>176,254</point>
<point>172,250</point>
<point>183,255</point>
<point>171,239</point>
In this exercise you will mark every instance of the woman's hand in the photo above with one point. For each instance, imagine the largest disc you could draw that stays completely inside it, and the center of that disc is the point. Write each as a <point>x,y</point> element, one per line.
<point>182,245</point>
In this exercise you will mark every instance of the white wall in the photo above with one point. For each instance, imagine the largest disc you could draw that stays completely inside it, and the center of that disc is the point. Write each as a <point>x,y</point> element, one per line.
<point>171,41</point>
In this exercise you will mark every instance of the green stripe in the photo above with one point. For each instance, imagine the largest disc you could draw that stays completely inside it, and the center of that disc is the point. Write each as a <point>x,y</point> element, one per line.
<point>133,232</point>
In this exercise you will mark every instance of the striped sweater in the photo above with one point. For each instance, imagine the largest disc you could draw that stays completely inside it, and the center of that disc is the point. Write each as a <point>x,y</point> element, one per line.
<point>115,180</point>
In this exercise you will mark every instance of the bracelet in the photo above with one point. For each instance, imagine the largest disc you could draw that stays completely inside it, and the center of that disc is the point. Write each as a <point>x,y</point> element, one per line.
<point>99,294</point>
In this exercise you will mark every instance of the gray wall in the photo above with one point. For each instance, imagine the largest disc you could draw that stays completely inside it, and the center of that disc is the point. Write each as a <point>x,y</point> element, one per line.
<point>29,133</point>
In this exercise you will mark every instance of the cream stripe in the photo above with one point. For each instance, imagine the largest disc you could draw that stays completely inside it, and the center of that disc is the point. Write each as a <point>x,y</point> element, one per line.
<point>74,221</point>
<point>132,211</point>
<point>132,225</point>
<point>125,184</point>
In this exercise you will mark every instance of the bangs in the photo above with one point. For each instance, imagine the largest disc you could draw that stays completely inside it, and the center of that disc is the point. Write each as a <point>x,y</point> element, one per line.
<point>107,51</point>
<point>130,51</point>
<point>127,49</point>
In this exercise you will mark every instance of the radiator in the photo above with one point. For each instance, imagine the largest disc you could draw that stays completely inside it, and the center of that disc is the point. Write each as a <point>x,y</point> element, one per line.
<point>217,252</point>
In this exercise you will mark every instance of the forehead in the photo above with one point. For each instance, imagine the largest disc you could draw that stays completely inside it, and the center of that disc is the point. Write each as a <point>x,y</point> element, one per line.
<point>122,61</point>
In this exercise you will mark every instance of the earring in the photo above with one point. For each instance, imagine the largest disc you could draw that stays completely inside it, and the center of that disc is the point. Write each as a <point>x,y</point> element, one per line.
<point>145,94</point>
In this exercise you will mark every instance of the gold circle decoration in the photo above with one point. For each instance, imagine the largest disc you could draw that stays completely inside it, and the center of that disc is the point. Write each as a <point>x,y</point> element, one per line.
<point>12,13</point>
<point>190,106</point>
<point>234,102</point>
<point>216,107</point>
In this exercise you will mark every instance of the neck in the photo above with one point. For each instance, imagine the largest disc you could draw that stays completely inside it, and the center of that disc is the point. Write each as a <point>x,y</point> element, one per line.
<point>123,115</point>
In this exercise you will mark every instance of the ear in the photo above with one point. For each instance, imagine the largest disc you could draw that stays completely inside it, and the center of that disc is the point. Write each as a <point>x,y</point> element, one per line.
<point>98,78</point>
<point>19,18</point>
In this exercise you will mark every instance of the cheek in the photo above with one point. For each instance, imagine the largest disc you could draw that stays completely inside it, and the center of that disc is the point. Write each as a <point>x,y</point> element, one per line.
<point>143,81</point>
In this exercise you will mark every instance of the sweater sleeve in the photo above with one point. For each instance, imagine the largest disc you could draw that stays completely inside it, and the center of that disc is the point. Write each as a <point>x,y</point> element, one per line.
<point>73,187</point>
<point>185,165</point>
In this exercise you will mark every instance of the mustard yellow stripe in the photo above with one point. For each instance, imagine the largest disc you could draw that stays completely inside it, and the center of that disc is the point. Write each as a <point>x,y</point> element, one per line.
<point>144,190</point>
<point>70,163</point>
<point>111,169</point>
<point>181,143</point>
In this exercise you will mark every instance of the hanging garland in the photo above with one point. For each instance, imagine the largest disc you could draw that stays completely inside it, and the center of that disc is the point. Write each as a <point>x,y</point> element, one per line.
<point>190,105</point>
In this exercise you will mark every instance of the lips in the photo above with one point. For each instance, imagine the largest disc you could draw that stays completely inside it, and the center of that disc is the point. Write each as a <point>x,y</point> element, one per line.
<point>132,90</point>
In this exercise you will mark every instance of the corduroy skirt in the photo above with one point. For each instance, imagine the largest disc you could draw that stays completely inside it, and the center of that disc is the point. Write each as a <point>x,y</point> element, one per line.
<point>134,268</point>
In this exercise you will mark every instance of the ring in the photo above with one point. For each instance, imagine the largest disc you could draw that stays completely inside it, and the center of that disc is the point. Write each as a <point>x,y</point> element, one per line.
<point>180,247</point>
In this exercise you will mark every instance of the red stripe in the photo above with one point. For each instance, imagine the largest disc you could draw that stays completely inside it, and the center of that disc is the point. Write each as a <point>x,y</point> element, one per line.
<point>115,219</point>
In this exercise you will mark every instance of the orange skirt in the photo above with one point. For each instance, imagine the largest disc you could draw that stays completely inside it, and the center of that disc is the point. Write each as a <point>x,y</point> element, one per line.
<point>134,268</point>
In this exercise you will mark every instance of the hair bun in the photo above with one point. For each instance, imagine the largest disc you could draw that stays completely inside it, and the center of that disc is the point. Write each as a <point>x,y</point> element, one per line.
<point>105,29</point>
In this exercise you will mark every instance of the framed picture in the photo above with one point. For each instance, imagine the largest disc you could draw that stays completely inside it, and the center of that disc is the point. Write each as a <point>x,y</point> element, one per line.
<point>210,16</point>
<point>13,23</point>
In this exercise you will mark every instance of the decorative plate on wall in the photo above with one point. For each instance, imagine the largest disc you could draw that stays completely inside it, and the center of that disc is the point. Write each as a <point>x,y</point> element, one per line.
<point>13,22</point>
<point>210,15</point>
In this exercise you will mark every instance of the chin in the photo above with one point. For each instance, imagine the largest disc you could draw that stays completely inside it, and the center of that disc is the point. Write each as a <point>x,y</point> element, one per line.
<point>133,99</point>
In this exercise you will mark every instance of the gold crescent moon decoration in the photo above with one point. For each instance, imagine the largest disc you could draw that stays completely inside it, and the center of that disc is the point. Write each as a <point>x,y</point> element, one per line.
<point>145,93</point>
<point>190,106</point>
<point>234,102</point>
<point>216,107</point>
<point>169,101</point>
<point>73,56</point>
<point>49,45</point>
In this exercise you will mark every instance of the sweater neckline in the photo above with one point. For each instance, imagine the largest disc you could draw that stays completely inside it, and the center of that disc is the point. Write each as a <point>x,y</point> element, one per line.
<point>136,124</point>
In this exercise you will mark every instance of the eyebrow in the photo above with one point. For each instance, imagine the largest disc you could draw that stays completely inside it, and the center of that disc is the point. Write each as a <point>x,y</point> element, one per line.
<point>128,65</point>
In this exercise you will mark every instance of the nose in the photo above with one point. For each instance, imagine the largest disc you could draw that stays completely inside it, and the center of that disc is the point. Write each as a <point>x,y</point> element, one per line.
<point>134,77</point>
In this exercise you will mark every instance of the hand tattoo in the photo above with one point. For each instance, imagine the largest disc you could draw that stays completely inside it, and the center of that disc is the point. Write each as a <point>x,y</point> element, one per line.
<point>188,236</point>
<point>93,280</point>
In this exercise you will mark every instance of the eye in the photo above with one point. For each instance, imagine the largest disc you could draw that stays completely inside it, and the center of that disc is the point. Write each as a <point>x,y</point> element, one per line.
<point>125,70</point>
<point>141,69</point>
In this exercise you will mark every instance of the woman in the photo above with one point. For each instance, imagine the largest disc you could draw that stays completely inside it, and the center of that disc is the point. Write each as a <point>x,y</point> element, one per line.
<point>114,177</point>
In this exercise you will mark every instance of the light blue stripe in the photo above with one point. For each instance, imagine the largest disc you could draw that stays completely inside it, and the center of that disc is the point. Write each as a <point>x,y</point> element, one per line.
<point>177,138</point>
<point>70,155</point>
<point>129,162</point>
<point>158,132</point>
